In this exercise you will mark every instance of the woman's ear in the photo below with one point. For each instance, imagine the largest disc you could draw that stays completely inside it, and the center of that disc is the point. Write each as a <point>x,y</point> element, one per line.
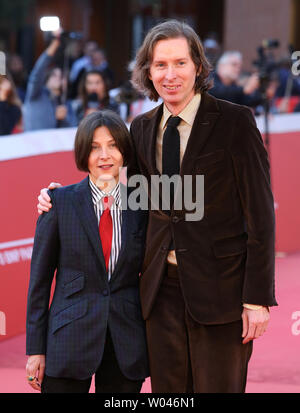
<point>199,70</point>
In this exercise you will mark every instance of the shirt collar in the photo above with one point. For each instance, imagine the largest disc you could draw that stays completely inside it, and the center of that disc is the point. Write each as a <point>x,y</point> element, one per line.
<point>188,114</point>
<point>97,194</point>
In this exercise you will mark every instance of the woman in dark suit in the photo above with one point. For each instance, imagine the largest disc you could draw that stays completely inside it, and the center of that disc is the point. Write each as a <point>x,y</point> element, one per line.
<point>96,247</point>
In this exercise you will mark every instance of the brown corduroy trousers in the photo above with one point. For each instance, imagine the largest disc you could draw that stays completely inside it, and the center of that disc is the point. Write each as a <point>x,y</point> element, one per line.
<point>188,357</point>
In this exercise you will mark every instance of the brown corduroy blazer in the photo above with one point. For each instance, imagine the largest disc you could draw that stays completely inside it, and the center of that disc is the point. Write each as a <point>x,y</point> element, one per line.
<point>226,258</point>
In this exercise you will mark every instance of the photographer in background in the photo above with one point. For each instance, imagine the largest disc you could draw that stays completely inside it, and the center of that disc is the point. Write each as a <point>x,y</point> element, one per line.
<point>226,81</point>
<point>287,95</point>
<point>93,95</point>
<point>83,61</point>
<point>99,62</point>
<point>212,48</point>
<point>131,102</point>
<point>44,106</point>
<point>18,73</point>
<point>96,60</point>
<point>10,106</point>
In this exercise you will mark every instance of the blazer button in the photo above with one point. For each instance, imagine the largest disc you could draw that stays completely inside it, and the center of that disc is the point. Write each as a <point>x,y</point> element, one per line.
<point>105,293</point>
<point>175,219</point>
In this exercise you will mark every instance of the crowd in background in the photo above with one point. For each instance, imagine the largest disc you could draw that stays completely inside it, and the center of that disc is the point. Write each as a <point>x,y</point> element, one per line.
<point>69,81</point>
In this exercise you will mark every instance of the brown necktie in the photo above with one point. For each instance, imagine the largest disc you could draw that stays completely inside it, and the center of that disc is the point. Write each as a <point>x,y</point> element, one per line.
<point>171,157</point>
<point>171,152</point>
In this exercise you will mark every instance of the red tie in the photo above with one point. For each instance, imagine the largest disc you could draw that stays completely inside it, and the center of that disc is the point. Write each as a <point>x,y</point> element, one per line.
<point>106,228</point>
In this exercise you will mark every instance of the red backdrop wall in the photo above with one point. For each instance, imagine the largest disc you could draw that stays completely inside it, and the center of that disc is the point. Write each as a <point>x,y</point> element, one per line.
<point>21,181</point>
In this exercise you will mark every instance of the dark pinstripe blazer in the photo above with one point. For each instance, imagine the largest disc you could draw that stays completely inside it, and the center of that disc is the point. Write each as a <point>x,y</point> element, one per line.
<point>72,332</point>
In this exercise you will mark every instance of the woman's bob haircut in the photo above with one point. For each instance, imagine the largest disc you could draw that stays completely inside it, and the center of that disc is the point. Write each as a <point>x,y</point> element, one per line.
<point>170,29</point>
<point>85,133</point>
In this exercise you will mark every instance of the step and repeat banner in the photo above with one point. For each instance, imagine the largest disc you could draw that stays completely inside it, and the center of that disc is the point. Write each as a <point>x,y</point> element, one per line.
<point>31,160</point>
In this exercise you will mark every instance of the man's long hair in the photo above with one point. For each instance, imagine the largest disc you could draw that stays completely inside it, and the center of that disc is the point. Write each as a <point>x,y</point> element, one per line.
<point>171,29</point>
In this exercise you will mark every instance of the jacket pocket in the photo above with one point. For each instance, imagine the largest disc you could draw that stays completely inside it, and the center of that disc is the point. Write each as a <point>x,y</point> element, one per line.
<point>69,314</point>
<point>74,285</point>
<point>230,246</point>
<point>209,159</point>
<point>132,310</point>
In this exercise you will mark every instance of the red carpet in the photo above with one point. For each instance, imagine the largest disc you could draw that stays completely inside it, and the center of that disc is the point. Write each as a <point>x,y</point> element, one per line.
<point>274,366</point>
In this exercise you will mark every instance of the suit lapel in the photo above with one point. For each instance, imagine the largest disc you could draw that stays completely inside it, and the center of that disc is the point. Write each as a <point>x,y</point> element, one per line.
<point>204,123</point>
<point>84,206</point>
<point>150,128</point>
<point>203,126</point>
<point>85,210</point>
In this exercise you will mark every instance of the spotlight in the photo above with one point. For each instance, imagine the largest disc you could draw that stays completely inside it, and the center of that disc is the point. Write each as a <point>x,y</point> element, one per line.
<point>49,23</point>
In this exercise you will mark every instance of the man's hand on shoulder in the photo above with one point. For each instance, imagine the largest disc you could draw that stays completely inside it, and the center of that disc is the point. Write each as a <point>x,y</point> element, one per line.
<point>44,199</point>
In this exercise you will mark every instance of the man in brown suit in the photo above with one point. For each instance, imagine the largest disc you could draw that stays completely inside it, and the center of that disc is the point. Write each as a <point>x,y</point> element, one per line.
<point>206,285</point>
<point>206,297</point>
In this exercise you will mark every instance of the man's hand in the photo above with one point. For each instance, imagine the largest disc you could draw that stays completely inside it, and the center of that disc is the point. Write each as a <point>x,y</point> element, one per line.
<point>255,323</point>
<point>35,369</point>
<point>252,84</point>
<point>44,200</point>
<point>55,43</point>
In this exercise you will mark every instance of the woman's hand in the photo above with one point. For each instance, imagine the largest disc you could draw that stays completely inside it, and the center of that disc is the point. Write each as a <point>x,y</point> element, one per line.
<point>35,369</point>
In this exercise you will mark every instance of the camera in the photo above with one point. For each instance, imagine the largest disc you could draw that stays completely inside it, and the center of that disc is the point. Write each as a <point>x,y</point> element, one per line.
<point>93,102</point>
<point>50,24</point>
<point>265,62</point>
<point>127,94</point>
<point>270,43</point>
<point>71,35</point>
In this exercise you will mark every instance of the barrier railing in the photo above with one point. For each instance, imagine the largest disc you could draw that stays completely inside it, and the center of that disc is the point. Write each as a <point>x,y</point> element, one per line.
<point>29,161</point>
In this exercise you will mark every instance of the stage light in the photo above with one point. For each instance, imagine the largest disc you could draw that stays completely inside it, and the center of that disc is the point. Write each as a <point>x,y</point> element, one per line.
<point>49,23</point>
